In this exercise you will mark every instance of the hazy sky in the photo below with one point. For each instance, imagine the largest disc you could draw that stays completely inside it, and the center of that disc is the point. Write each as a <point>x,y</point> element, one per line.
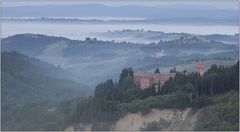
<point>222,4</point>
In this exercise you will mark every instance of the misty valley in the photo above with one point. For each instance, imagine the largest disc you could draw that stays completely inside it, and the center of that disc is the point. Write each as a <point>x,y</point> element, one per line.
<point>119,66</point>
<point>92,60</point>
<point>58,73</point>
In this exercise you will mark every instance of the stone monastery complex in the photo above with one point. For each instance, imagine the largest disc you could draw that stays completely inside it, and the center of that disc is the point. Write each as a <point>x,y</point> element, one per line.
<point>147,80</point>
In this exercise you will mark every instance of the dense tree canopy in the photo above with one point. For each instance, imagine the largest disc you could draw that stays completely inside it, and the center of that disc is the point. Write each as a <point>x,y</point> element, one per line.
<point>125,90</point>
<point>112,101</point>
<point>216,80</point>
<point>157,70</point>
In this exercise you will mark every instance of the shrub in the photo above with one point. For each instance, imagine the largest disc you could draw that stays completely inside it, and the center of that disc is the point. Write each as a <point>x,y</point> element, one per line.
<point>223,115</point>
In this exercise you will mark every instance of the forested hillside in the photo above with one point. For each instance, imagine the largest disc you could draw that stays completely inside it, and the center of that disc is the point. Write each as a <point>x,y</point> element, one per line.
<point>31,87</point>
<point>26,79</point>
<point>112,101</point>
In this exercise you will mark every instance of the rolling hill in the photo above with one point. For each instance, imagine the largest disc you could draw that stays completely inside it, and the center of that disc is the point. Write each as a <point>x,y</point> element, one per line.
<point>26,79</point>
<point>92,60</point>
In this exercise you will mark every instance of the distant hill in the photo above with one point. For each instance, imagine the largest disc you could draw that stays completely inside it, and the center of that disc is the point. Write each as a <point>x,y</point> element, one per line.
<point>37,44</point>
<point>154,36</point>
<point>181,13</point>
<point>30,92</point>
<point>186,45</point>
<point>92,60</point>
<point>26,79</point>
<point>29,44</point>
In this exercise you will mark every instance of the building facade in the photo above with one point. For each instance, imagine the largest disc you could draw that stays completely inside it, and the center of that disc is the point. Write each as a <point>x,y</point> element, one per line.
<point>146,80</point>
<point>200,67</point>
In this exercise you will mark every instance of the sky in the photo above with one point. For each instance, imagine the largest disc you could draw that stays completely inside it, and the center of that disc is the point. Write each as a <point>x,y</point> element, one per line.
<point>221,4</point>
<point>205,14</point>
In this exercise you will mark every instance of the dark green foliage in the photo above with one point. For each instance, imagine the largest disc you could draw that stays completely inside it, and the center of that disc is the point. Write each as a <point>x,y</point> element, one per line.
<point>216,80</point>
<point>147,92</point>
<point>157,70</point>
<point>200,102</point>
<point>223,115</point>
<point>30,93</point>
<point>104,106</point>
<point>35,116</point>
<point>32,116</point>
<point>31,90</point>
<point>175,71</point>
<point>175,100</point>
<point>125,73</point>
<point>156,125</point>
<point>123,91</point>
<point>105,90</point>
<point>112,101</point>
<point>94,110</point>
<point>67,107</point>
<point>25,79</point>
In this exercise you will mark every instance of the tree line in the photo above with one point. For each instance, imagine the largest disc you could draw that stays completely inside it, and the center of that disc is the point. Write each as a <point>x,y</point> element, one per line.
<point>218,79</point>
<point>113,100</point>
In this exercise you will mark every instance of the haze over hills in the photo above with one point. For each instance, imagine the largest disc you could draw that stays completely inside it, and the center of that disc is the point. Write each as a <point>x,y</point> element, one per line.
<point>105,65</point>
<point>91,58</point>
<point>26,80</point>
<point>182,20</point>
<point>153,14</point>
<point>31,90</point>
<point>148,36</point>
<point>27,90</point>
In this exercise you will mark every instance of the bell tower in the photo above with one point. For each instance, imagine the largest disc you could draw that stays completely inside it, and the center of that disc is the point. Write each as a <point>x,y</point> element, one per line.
<point>200,67</point>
